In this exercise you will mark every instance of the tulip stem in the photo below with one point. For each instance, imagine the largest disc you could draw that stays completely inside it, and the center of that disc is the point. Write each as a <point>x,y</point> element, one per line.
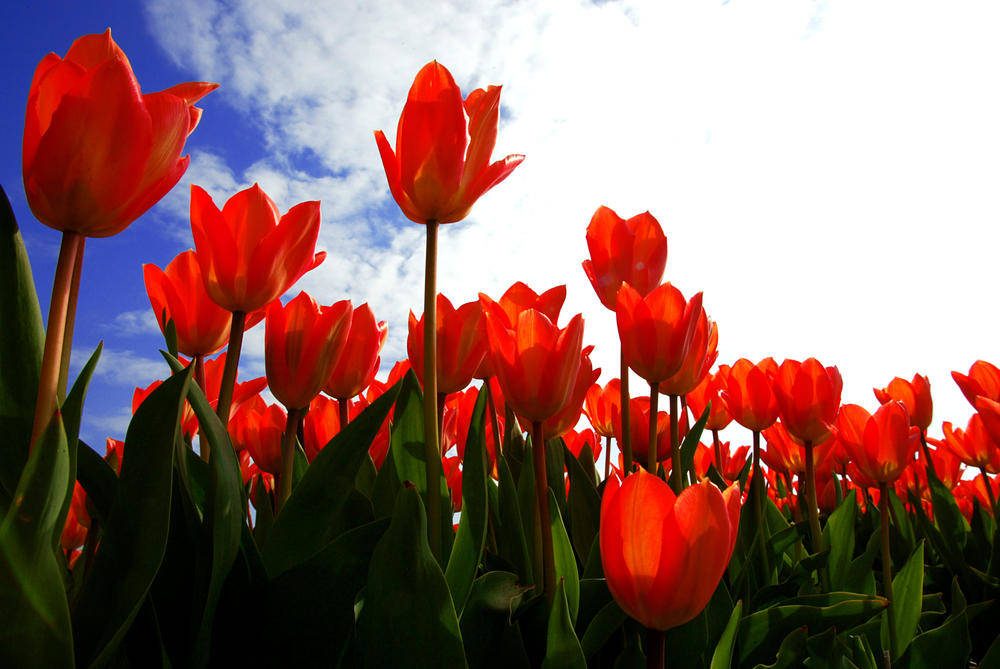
<point>656,642</point>
<point>607,457</point>
<point>626,436</point>
<point>927,451</point>
<point>432,442</point>
<point>228,384</point>
<point>677,476</point>
<point>199,377</point>
<point>989,492</point>
<point>883,508</point>
<point>544,523</point>
<point>343,404</point>
<point>811,503</point>
<point>757,484</point>
<point>288,457</point>
<point>55,334</point>
<point>67,348</point>
<point>494,421</point>
<point>651,454</point>
<point>717,446</point>
<point>442,398</point>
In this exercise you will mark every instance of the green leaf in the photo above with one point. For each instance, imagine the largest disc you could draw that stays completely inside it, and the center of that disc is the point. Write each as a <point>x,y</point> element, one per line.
<point>513,546</point>
<point>907,592</point>
<point>491,638</point>
<point>562,650</point>
<point>691,440</point>
<point>722,658</point>
<point>607,621</point>
<point>946,646</point>
<point>468,549</point>
<point>839,536</point>
<point>790,652</point>
<point>407,597</point>
<point>565,560</point>
<point>584,504</point>
<point>313,603</point>
<point>98,479</point>
<point>859,576</point>
<point>135,537</point>
<point>304,525</point>
<point>36,629</point>
<point>22,339</point>
<point>947,515</point>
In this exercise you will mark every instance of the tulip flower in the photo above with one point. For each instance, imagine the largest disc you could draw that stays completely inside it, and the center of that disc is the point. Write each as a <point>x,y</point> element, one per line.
<point>699,359</point>
<point>461,344</point>
<point>77,524</point>
<point>600,405</point>
<point>729,466</point>
<point>97,152</point>
<point>749,395</point>
<point>462,405</point>
<point>915,394</point>
<point>520,297</point>
<point>640,410</point>
<point>576,439</point>
<point>983,380</point>
<point>320,424</point>
<point>632,251</point>
<point>359,360</point>
<point>663,554</point>
<point>257,427</point>
<point>881,445</point>
<point>656,331</point>
<point>783,454</point>
<point>569,415</point>
<point>974,446</point>
<point>708,392</point>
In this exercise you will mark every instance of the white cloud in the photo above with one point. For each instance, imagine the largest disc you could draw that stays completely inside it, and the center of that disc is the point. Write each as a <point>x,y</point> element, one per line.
<point>824,172</point>
<point>135,323</point>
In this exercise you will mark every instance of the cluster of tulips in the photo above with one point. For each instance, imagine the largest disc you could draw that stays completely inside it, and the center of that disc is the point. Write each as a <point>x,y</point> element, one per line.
<point>662,532</point>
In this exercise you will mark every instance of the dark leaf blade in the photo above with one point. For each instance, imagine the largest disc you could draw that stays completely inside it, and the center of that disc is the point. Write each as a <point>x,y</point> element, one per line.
<point>563,649</point>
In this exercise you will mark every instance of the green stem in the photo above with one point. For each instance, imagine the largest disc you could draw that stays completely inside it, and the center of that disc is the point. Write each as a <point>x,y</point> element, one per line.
<point>432,442</point>
<point>199,377</point>
<point>816,534</point>
<point>342,414</point>
<point>757,483</point>
<point>626,416</point>
<point>717,446</point>
<point>55,334</point>
<point>497,441</point>
<point>656,643</point>
<point>676,475</point>
<point>67,348</point>
<point>286,477</point>
<point>883,507</point>
<point>654,397</point>
<point>544,524</point>
<point>442,398</point>
<point>228,384</point>
<point>607,458</point>
<point>927,451</point>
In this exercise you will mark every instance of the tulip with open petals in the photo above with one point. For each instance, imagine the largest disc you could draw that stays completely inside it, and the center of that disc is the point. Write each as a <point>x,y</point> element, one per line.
<point>569,415</point>
<point>983,380</point>
<point>701,355</point>
<point>632,251</point>
<point>600,404</point>
<point>662,554</point>
<point>915,394</point>
<point>97,152</point>
<point>520,296</point>
<point>656,331</point>
<point>881,445</point>
<point>707,392</point>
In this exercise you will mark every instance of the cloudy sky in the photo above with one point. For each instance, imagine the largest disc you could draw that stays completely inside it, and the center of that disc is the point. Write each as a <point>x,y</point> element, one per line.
<point>826,172</point>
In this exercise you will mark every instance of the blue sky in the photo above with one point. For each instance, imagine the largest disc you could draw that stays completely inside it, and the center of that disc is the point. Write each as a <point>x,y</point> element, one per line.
<point>825,172</point>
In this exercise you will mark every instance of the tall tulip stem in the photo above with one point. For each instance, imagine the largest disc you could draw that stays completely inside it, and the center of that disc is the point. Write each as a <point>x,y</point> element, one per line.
<point>607,457</point>
<point>677,475</point>
<point>67,348</point>
<point>651,454</point>
<point>232,365</point>
<point>626,440</point>
<point>542,498</point>
<point>295,416</point>
<point>55,334</point>
<point>812,505</point>
<point>757,483</point>
<point>883,508</point>
<point>199,377</point>
<point>497,437</point>
<point>343,404</point>
<point>656,646</point>
<point>989,492</point>
<point>432,442</point>
<point>717,447</point>
<point>927,451</point>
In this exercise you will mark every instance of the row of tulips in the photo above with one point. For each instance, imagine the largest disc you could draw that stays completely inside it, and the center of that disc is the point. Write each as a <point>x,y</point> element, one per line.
<point>328,517</point>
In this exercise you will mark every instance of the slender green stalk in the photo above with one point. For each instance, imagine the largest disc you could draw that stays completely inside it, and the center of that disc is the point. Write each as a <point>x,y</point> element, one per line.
<point>656,645</point>
<point>607,458</point>
<point>67,348</point>
<point>199,377</point>
<point>542,498</point>
<point>676,475</point>
<point>442,398</point>
<point>757,483</point>
<point>432,442</point>
<point>497,439</point>
<point>343,404</point>
<point>228,384</point>
<point>626,415</point>
<point>927,451</point>
<point>816,534</point>
<point>286,477</point>
<point>717,446</point>
<point>55,334</point>
<point>989,492</point>
<point>883,508</point>
<point>651,454</point>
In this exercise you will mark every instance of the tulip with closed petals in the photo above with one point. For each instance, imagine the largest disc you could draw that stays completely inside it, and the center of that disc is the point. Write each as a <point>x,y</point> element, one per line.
<point>520,297</point>
<point>359,360</point>
<point>569,415</point>
<point>881,445</point>
<point>808,397</point>
<point>663,554</point>
<point>749,393</point>
<point>656,331</point>
<point>632,251</point>
<point>257,428</point>
<point>461,344</point>
<point>708,392</point>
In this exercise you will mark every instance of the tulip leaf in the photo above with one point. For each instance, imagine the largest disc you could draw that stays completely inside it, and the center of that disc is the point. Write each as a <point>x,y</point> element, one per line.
<point>565,560</point>
<point>305,523</point>
<point>135,537</point>
<point>528,505</point>
<point>313,603</point>
<point>22,339</point>
<point>790,652</point>
<point>907,592</point>
<point>562,649</point>
<point>722,658</point>
<point>947,515</point>
<point>946,646</point>
<point>555,472</point>
<point>584,504</point>
<point>98,480</point>
<point>759,631</point>
<point>491,638</point>
<point>36,630</point>
<point>603,626</point>
<point>72,413</point>
<point>471,538</point>
<point>690,444</point>
<point>408,618</point>
<point>839,536</point>
<point>513,546</point>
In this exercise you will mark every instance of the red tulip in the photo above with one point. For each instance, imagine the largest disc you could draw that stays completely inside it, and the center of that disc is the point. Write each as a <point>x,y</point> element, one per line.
<point>302,341</point>
<point>983,379</point>
<point>188,420</point>
<point>441,163</point>
<point>359,361</point>
<point>915,394</point>
<point>575,441</point>
<point>699,359</point>
<point>320,425</point>
<point>663,555</point>
<point>520,297</point>
<point>249,254</point>
<point>881,445</point>
<point>461,406</point>
<point>461,344</point>
<point>808,397</point>
<point>656,331</point>
<point>535,362</point>
<point>569,415</point>
<point>708,392</point>
<point>97,152</point>
<point>600,405</point>
<point>257,428</point>
<point>639,429</point>
<point>974,446</point>
<point>114,452</point>
<point>74,532</point>
<point>452,467</point>
<point>632,251</point>
<point>178,294</point>
<point>732,461</point>
<point>749,393</point>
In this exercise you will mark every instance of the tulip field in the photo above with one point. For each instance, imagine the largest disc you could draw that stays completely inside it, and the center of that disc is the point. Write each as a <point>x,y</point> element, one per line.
<point>493,502</point>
